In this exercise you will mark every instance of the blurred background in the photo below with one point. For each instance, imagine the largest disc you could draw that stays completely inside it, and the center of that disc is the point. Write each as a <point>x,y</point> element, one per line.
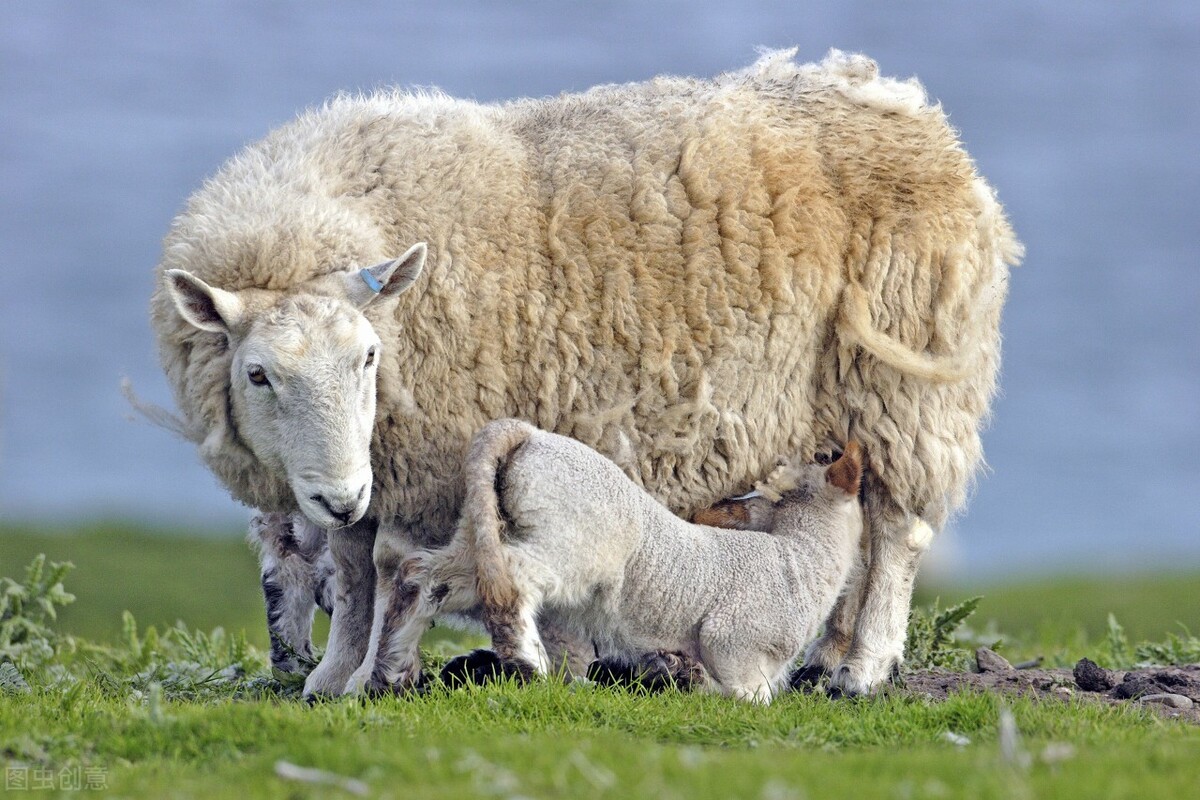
<point>1085,117</point>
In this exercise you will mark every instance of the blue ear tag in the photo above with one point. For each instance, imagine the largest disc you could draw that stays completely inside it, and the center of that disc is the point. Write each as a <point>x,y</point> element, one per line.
<point>372,283</point>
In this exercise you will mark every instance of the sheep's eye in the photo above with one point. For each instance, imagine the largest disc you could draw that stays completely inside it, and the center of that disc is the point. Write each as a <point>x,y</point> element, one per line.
<point>370,358</point>
<point>258,376</point>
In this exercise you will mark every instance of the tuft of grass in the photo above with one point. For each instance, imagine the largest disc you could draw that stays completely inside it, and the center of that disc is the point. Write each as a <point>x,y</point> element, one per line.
<point>1065,617</point>
<point>26,610</point>
<point>1174,650</point>
<point>160,576</point>
<point>932,640</point>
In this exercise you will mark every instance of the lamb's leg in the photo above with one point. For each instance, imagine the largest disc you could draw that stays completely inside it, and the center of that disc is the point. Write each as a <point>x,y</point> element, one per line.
<point>514,633</point>
<point>898,541</point>
<point>564,650</point>
<point>296,575</point>
<point>350,623</point>
<point>827,651</point>
<point>406,610</point>
<point>734,658</point>
<point>421,587</point>
<point>755,689</point>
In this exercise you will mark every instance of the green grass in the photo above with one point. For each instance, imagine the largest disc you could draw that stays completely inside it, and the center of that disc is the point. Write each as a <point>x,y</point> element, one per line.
<point>551,740</point>
<point>1065,618</point>
<point>162,578</point>
<point>1060,610</point>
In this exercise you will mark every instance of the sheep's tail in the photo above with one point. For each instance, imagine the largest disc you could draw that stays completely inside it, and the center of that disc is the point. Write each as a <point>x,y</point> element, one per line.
<point>482,516</point>
<point>856,316</point>
<point>157,415</point>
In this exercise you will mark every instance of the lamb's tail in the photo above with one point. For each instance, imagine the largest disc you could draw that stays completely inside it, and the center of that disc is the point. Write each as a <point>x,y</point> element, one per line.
<point>482,515</point>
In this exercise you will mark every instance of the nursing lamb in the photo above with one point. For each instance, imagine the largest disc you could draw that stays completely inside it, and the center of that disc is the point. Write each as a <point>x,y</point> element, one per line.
<point>693,277</point>
<point>550,525</point>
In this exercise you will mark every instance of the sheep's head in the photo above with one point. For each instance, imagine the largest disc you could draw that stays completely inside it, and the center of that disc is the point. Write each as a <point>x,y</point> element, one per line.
<point>302,376</point>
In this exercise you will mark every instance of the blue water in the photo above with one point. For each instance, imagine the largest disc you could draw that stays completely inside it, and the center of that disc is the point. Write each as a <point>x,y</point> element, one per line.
<point>1085,116</point>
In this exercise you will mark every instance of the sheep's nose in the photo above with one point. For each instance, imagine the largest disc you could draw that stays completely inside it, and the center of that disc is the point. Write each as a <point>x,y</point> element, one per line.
<point>341,510</point>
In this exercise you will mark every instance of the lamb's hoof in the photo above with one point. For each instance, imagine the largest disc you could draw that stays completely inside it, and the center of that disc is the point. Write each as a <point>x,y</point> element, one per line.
<point>806,678</point>
<point>605,672</point>
<point>663,670</point>
<point>378,687</point>
<point>654,672</point>
<point>475,668</point>
<point>519,671</point>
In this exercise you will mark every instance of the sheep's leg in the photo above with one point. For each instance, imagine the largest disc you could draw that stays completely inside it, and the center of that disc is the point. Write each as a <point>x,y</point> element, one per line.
<point>297,576</point>
<point>390,548</point>
<point>828,650</point>
<point>898,541</point>
<point>350,549</point>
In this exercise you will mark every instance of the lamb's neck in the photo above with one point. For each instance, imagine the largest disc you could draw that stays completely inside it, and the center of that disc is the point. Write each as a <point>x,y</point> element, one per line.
<point>798,528</point>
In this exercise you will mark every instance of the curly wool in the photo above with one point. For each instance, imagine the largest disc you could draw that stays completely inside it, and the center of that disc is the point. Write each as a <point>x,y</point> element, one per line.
<point>692,276</point>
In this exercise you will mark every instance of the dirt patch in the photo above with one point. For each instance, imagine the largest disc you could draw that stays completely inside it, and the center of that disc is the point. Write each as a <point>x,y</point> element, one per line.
<point>1171,691</point>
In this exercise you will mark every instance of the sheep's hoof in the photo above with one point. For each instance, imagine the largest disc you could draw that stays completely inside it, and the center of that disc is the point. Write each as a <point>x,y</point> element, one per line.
<point>316,698</point>
<point>853,680</point>
<point>475,668</point>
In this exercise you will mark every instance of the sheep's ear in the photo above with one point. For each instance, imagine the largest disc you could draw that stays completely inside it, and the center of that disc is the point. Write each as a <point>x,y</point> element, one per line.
<point>206,307</point>
<point>846,472</point>
<point>387,279</point>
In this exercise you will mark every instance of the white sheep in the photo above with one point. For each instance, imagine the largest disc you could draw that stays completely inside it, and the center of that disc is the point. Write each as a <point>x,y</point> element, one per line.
<point>693,277</point>
<point>549,523</point>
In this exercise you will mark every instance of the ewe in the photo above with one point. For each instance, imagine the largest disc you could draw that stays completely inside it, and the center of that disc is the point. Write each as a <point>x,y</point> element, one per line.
<point>693,277</point>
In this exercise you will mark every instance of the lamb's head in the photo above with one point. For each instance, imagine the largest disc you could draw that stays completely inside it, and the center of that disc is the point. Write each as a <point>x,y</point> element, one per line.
<point>302,376</point>
<point>820,488</point>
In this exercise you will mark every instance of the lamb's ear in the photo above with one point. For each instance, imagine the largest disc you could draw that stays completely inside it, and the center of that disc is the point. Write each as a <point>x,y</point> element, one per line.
<point>846,472</point>
<point>387,279</point>
<point>206,307</point>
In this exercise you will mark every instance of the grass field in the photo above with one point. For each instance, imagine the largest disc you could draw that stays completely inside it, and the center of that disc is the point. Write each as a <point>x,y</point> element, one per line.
<point>121,716</point>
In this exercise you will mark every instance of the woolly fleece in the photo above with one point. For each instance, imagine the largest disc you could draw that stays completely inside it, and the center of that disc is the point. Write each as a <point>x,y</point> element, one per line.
<point>692,276</point>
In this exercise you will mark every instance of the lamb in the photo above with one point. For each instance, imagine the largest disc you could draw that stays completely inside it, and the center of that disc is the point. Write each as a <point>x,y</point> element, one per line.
<point>549,523</point>
<point>691,276</point>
